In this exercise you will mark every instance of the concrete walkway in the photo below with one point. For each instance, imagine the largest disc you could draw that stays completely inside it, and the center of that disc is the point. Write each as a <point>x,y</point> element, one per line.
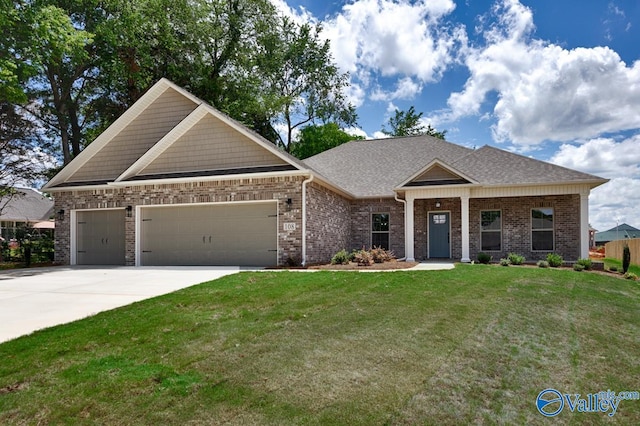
<point>31,299</point>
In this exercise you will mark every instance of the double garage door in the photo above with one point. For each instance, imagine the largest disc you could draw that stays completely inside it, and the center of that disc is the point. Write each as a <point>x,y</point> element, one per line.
<point>221,234</point>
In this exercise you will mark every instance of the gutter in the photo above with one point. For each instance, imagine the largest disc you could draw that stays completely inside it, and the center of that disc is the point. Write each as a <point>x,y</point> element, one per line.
<point>304,218</point>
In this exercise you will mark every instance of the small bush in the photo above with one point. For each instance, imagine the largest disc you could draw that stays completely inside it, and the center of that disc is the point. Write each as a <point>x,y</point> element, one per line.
<point>381,255</point>
<point>516,259</point>
<point>363,258</point>
<point>505,262</point>
<point>340,258</point>
<point>613,268</point>
<point>543,264</point>
<point>484,257</point>
<point>631,276</point>
<point>554,260</point>
<point>626,258</point>
<point>578,267</point>
<point>586,263</point>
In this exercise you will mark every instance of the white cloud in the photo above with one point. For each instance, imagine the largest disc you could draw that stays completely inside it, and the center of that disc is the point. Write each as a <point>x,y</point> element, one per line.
<point>619,161</point>
<point>393,38</point>
<point>406,88</point>
<point>545,92</point>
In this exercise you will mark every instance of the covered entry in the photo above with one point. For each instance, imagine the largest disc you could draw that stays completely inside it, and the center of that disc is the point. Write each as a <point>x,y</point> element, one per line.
<point>100,237</point>
<point>209,234</point>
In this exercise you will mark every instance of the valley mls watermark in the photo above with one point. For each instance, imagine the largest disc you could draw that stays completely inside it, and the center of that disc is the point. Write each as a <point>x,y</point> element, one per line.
<point>551,402</point>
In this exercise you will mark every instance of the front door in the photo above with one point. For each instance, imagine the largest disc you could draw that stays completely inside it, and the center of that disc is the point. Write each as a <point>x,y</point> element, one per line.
<point>439,235</point>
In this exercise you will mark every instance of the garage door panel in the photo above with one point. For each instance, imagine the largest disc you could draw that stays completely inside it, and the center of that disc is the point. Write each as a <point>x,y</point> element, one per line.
<point>229,234</point>
<point>100,237</point>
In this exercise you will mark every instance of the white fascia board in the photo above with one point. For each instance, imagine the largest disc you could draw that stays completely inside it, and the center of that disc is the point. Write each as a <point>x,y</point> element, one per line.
<point>167,181</point>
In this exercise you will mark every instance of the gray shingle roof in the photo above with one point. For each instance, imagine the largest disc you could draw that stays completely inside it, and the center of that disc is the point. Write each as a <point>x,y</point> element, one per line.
<point>26,206</point>
<point>373,168</point>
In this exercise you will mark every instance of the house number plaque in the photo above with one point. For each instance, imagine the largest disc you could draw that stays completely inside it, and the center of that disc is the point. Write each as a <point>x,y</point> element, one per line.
<point>289,226</point>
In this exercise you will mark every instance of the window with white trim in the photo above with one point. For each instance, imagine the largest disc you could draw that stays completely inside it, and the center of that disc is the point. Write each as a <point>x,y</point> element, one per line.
<point>490,230</point>
<point>380,230</point>
<point>542,229</point>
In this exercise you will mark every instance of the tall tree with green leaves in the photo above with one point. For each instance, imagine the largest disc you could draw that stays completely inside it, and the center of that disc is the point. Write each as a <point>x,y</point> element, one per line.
<point>409,123</point>
<point>314,139</point>
<point>301,82</point>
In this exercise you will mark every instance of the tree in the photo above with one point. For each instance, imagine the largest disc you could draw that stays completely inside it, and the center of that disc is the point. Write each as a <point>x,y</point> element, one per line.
<point>314,139</point>
<point>300,80</point>
<point>409,123</point>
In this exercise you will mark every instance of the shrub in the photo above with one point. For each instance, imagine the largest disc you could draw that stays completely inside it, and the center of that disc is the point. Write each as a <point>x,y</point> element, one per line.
<point>613,268</point>
<point>381,255</point>
<point>516,259</point>
<point>586,263</point>
<point>505,262</point>
<point>578,267</point>
<point>363,258</point>
<point>340,258</point>
<point>554,260</point>
<point>626,258</point>
<point>543,264</point>
<point>484,257</point>
<point>631,276</point>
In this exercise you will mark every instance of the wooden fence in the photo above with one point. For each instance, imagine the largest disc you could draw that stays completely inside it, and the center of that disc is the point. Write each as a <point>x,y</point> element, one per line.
<point>613,250</point>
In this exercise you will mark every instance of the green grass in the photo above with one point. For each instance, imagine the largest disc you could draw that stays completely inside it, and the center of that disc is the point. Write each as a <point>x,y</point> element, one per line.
<point>609,262</point>
<point>472,345</point>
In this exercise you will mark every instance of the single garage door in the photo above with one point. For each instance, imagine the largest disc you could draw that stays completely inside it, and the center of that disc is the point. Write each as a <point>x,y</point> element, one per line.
<point>100,237</point>
<point>222,234</point>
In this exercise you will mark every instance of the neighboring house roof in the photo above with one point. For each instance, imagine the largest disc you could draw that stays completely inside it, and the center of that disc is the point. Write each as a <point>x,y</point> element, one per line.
<point>374,168</point>
<point>620,232</point>
<point>28,205</point>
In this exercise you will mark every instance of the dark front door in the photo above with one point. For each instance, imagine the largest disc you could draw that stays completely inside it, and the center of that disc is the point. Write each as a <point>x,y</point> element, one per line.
<point>439,235</point>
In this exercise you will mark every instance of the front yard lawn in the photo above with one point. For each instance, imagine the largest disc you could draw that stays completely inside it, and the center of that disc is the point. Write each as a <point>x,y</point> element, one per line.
<point>476,344</point>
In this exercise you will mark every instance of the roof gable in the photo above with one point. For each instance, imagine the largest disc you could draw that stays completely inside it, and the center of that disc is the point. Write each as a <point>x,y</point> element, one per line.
<point>169,132</point>
<point>437,173</point>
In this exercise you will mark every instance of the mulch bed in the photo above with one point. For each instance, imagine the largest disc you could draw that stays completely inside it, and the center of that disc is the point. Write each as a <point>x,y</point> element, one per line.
<point>386,266</point>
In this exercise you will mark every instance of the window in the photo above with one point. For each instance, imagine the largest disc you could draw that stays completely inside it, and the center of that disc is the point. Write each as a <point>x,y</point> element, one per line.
<point>490,230</point>
<point>439,219</point>
<point>542,229</point>
<point>380,230</point>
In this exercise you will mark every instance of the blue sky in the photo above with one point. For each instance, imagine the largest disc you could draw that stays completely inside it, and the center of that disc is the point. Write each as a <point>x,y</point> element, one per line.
<point>554,80</point>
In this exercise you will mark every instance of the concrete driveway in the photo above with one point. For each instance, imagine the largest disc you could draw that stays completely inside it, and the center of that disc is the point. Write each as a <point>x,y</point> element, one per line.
<point>31,299</point>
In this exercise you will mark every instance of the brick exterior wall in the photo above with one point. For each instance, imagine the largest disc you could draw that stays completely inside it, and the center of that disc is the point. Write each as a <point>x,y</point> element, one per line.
<point>361,211</point>
<point>277,188</point>
<point>516,225</point>
<point>328,224</point>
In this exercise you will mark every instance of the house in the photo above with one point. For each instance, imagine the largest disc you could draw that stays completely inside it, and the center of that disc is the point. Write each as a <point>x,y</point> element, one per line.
<point>175,182</point>
<point>27,208</point>
<point>619,232</point>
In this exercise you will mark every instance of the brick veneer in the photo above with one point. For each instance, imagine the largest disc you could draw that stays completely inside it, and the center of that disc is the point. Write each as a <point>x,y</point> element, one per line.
<point>361,211</point>
<point>516,225</point>
<point>328,224</point>
<point>276,188</point>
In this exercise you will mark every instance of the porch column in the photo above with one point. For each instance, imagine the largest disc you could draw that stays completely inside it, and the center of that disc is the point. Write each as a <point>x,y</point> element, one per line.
<point>464,206</point>
<point>409,229</point>
<point>584,224</point>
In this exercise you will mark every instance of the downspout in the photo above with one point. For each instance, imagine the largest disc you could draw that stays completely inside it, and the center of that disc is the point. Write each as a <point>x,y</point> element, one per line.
<point>304,218</point>
<point>405,220</point>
